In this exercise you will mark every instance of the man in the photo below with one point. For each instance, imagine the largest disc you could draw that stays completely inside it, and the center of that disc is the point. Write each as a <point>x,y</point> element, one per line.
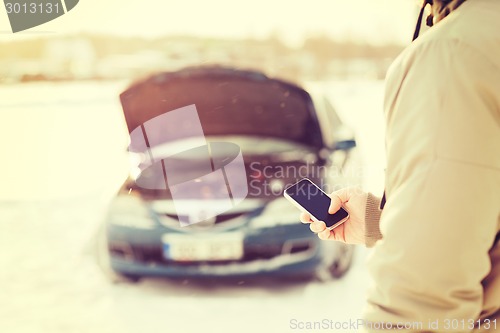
<point>436,256</point>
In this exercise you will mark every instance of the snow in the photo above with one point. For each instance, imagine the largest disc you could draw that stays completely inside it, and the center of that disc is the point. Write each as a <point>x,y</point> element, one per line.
<point>50,280</point>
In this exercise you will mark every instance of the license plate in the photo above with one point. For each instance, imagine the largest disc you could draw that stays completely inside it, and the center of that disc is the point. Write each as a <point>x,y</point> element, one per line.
<point>200,247</point>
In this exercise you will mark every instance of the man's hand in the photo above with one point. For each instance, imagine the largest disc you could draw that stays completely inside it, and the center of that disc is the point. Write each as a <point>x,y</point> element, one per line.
<point>352,231</point>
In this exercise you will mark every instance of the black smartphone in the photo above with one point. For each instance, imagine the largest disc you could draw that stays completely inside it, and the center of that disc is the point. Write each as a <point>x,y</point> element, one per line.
<point>308,197</point>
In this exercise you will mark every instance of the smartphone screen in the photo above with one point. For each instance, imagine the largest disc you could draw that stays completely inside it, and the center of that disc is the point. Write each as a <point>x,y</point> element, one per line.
<point>315,201</point>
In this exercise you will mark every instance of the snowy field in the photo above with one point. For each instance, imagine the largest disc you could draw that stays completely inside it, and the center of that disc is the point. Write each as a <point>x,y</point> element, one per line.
<point>62,159</point>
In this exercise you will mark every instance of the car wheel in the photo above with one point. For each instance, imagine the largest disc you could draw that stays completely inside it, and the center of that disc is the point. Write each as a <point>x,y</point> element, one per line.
<point>341,265</point>
<point>130,278</point>
<point>337,266</point>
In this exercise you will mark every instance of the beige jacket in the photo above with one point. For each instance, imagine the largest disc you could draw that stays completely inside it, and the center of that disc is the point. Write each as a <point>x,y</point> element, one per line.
<point>436,260</point>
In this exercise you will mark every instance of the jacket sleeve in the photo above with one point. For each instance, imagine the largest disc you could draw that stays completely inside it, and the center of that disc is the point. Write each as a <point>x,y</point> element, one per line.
<point>372,220</point>
<point>442,187</point>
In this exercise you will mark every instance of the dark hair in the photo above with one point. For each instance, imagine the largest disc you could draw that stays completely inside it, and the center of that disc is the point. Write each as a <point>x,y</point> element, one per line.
<point>445,2</point>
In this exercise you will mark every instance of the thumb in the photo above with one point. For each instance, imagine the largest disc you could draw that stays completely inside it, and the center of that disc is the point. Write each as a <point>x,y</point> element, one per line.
<point>338,199</point>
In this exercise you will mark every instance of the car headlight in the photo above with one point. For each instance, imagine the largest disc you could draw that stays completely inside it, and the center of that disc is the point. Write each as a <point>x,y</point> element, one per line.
<point>130,211</point>
<point>277,212</point>
<point>135,160</point>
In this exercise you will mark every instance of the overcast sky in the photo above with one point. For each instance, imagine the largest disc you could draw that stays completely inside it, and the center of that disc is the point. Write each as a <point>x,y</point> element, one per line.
<point>376,21</point>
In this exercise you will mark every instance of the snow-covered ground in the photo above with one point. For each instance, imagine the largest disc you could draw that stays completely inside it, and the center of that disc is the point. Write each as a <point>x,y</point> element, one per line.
<point>51,204</point>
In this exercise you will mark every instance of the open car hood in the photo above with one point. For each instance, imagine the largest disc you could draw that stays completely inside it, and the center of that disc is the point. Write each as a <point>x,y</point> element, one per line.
<point>229,102</point>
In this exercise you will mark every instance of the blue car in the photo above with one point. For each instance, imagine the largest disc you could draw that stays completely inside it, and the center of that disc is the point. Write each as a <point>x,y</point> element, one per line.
<point>283,133</point>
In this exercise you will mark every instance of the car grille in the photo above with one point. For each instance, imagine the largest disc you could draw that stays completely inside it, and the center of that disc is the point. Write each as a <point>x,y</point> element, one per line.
<point>218,219</point>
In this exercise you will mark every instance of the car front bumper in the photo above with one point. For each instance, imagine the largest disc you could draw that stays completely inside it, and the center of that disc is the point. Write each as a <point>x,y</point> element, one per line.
<point>286,250</point>
<point>294,264</point>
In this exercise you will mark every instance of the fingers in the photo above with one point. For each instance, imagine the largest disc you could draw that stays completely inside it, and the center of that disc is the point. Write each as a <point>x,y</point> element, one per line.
<point>305,217</point>
<point>338,199</point>
<point>323,233</point>
<point>335,234</point>
<point>317,227</point>
<point>326,234</point>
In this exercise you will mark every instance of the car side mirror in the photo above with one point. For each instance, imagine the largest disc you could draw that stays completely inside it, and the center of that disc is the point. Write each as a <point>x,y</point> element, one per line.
<point>345,144</point>
<point>343,138</point>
